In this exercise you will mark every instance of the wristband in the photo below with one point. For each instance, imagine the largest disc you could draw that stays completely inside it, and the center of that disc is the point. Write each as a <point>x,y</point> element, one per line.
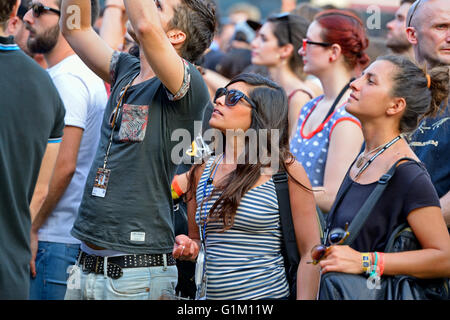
<point>114,6</point>
<point>374,269</point>
<point>176,190</point>
<point>366,262</point>
<point>381,263</point>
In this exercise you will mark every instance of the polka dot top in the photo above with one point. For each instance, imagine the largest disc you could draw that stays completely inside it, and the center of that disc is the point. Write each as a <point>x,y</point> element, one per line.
<point>312,150</point>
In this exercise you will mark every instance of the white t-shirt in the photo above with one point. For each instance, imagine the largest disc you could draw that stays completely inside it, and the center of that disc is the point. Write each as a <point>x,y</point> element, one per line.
<point>84,96</point>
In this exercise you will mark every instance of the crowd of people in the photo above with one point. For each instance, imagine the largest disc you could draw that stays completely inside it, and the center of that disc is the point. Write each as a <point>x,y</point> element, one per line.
<point>94,206</point>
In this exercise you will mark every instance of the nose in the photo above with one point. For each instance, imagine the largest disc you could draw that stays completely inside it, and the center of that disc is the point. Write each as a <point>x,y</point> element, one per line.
<point>389,25</point>
<point>301,51</point>
<point>28,17</point>
<point>353,84</point>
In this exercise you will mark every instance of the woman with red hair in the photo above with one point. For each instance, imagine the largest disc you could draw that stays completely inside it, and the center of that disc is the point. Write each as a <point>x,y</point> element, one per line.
<point>328,138</point>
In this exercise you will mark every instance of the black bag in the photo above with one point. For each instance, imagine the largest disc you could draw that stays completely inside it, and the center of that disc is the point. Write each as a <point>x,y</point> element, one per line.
<point>289,248</point>
<point>343,286</point>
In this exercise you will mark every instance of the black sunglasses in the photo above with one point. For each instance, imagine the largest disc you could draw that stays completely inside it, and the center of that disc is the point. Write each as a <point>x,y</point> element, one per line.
<point>337,236</point>
<point>39,8</point>
<point>285,17</point>
<point>323,44</point>
<point>232,97</point>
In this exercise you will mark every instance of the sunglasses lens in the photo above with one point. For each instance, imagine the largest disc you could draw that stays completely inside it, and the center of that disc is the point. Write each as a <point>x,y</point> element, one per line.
<point>337,235</point>
<point>318,252</point>
<point>37,10</point>
<point>220,92</point>
<point>233,98</point>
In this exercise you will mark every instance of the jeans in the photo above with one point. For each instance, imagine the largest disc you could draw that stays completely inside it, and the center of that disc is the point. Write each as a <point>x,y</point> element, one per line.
<point>151,283</point>
<point>52,261</point>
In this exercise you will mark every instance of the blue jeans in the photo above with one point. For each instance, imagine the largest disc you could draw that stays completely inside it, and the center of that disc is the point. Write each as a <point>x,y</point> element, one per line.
<point>152,283</point>
<point>52,261</point>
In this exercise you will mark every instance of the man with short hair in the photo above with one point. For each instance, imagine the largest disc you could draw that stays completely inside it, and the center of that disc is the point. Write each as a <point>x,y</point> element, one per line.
<point>31,126</point>
<point>428,30</point>
<point>125,221</point>
<point>85,98</point>
<point>396,38</point>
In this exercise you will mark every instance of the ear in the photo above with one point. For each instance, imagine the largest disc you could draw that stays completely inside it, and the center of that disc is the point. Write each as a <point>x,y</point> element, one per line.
<point>286,51</point>
<point>398,105</point>
<point>411,34</point>
<point>176,37</point>
<point>13,25</point>
<point>336,52</point>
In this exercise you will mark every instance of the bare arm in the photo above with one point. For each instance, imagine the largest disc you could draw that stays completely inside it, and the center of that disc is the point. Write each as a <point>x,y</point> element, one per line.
<point>43,181</point>
<point>158,49</point>
<point>76,27</point>
<point>65,166</point>
<point>345,143</point>
<point>445,207</point>
<point>295,105</point>
<point>113,27</point>
<point>307,232</point>
<point>188,247</point>
<point>214,81</point>
<point>433,261</point>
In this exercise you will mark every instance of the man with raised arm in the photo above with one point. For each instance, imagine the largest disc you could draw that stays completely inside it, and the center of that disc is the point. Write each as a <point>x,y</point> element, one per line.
<point>125,221</point>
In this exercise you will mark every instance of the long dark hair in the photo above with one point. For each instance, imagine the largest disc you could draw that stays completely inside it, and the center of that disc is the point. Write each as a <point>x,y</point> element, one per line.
<point>298,28</point>
<point>271,112</point>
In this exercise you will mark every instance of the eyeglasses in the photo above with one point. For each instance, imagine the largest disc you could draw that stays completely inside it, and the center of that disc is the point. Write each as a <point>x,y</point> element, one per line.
<point>323,44</point>
<point>412,14</point>
<point>39,8</point>
<point>285,17</point>
<point>232,97</point>
<point>336,237</point>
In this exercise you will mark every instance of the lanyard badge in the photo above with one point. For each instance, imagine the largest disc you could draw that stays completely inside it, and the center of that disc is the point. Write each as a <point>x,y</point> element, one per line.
<point>103,174</point>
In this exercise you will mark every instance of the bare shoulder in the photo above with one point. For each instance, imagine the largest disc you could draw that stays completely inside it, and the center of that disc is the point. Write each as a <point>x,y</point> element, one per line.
<point>296,170</point>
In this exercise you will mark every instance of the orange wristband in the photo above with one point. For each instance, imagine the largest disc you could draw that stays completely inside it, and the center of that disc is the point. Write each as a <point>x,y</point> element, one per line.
<point>176,187</point>
<point>381,263</point>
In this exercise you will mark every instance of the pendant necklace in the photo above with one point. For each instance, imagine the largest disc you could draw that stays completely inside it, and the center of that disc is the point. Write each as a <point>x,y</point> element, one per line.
<point>384,148</point>
<point>362,156</point>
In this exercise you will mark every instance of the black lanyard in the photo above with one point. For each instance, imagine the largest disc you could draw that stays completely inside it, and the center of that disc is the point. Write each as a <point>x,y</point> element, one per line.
<point>338,98</point>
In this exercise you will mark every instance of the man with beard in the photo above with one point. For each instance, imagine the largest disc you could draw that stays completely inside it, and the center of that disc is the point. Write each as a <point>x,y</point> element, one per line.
<point>396,35</point>
<point>84,95</point>
<point>428,30</point>
<point>18,30</point>
<point>31,126</point>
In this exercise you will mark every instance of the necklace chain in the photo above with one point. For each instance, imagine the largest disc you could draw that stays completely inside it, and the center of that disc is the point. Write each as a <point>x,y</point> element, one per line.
<point>384,148</point>
<point>363,155</point>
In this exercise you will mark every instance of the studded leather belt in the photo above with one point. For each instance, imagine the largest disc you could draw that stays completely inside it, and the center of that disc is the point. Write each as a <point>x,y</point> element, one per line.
<point>95,264</point>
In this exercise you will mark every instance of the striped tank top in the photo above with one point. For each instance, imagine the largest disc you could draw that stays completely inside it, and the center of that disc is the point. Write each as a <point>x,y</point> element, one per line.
<point>244,262</point>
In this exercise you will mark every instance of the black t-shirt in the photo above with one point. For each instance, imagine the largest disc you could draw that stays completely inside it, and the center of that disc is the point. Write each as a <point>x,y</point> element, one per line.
<point>136,215</point>
<point>31,116</point>
<point>410,188</point>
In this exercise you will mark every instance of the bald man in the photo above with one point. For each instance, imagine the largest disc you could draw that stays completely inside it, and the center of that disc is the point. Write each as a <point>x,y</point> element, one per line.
<point>428,30</point>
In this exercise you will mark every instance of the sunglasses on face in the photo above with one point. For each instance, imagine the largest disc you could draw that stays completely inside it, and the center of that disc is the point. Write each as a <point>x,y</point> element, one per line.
<point>232,97</point>
<point>323,44</point>
<point>284,17</point>
<point>336,237</point>
<point>39,8</point>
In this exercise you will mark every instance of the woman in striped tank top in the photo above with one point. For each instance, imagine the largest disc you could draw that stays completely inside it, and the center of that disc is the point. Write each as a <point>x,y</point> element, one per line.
<point>233,203</point>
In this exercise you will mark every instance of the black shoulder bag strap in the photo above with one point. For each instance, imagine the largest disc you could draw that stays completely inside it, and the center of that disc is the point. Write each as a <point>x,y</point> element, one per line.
<point>338,98</point>
<point>289,246</point>
<point>364,212</point>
